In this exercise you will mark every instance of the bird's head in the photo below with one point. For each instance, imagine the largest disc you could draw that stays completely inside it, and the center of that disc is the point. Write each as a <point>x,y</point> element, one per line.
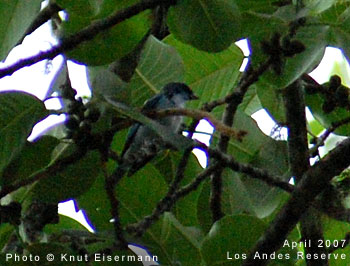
<point>178,89</point>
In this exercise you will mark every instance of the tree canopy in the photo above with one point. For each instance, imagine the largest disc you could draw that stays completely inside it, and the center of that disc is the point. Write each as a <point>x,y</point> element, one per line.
<point>260,200</point>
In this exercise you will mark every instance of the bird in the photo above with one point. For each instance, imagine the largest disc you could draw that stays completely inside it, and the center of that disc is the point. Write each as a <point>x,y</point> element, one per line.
<point>142,143</point>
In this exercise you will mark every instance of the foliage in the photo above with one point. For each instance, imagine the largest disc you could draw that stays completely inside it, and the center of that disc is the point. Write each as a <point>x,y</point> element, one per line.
<point>184,214</point>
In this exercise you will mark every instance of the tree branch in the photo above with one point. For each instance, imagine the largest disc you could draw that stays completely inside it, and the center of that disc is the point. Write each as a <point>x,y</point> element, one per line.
<point>86,34</point>
<point>233,100</point>
<point>312,183</point>
<point>298,152</point>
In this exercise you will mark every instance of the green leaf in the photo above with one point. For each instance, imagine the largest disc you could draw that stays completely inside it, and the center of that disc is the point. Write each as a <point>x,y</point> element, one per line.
<point>315,102</point>
<point>318,6</point>
<point>73,181</point>
<point>272,100</point>
<point>228,237</point>
<point>211,76</point>
<point>251,102</point>
<point>24,165</point>
<point>338,18</point>
<point>111,44</point>
<point>96,208</point>
<point>84,8</point>
<point>173,243</point>
<point>146,185</point>
<point>245,150</point>
<point>241,193</point>
<point>103,81</point>
<point>167,164</point>
<point>264,198</point>
<point>65,223</point>
<point>16,16</point>
<point>6,230</point>
<point>268,26</point>
<point>19,112</point>
<point>159,64</point>
<point>203,212</point>
<point>235,196</point>
<point>210,25</point>
<point>314,39</point>
<point>315,127</point>
<point>334,233</point>
<point>257,6</point>
<point>139,194</point>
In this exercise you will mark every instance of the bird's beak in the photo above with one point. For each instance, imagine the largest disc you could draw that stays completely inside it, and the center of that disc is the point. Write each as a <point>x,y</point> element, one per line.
<point>194,97</point>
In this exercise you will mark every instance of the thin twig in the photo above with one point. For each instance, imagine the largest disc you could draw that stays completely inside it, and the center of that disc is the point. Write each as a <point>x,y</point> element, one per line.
<point>249,78</point>
<point>321,140</point>
<point>197,114</point>
<point>251,171</point>
<point>166,203</point>
<point>110,187</point>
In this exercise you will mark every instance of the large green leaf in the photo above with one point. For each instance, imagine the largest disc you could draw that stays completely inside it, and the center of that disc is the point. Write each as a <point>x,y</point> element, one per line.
<point>210,25</point>
<point>159,64</point>
<point>15,17</point>
<point>65,223</point>
<point>314,39</point>
<point>96,208</point>
<point>272,100</point>
<point>231,237</point>
<point>245,150</point>
<point>167,164</point>
<point>318,6</point>
<point>241,193</point>
<point>32,158</point>
<point>108,45</point>
<point>174,243</point>
<point>6,230</point>
<point>335,233</point>
<point>211,76</point>
<point>104,82</point>
<point>338,17</point>
<point>268,26</point>
<point>230,240</point>
<point>73,181</point>
<point>139,194</point>
<point>315,103</point>
<point>251,102</point>
<point>19,112</point>
<point>264,198</point>
<point>86,8</point>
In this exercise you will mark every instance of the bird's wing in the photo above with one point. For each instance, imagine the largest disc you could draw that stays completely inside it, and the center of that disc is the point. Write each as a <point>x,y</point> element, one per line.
<point>149,105</point>
<point>152,103</point>
<point>130,137</point>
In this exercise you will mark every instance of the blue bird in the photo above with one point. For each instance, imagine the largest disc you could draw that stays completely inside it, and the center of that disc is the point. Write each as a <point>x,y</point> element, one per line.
<point>142,143</point>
